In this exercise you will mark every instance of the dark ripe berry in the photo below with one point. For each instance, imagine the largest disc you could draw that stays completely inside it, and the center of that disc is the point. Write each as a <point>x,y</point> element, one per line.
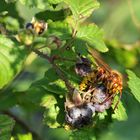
<point>83,66</point>
<point>91,106</point>
<point>102,107</point>
<point>99,107</point>
<point>82,69</point>
<point>100,94</point>
<point>80,116</point>
<point>85,61</point>
<point>99,97</point>
<point>29,26</point>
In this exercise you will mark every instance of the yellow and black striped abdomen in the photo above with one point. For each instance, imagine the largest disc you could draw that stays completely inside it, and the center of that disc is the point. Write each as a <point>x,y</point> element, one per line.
<point>87,81</point>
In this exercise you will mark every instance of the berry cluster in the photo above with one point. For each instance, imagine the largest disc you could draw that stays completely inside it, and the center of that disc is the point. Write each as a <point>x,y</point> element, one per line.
<point>94,95</point>
<point>82,111</point>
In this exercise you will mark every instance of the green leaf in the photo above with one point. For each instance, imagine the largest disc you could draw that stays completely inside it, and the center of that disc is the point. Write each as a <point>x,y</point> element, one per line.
<point>69,57</point>
<point>51,83</point>
<point>60,29</point>
<point>37,96</point>
<point>48,100</point>
<point>82,9</point>
<point>55,1</point>
<point>52,15</point>
<point>33,95</point>
<point>11,23</point>
<point>71,75</point>
<point>12,57</point>
<point>120,112</point>
<point>134,84</point>
<point>7,100</point>
<point>124,130</point>
<point>54,134</point>
<point>56,87</point>
<point>50,116</point>
<point>82,134</point>
<point>91,35</point>
<point>38,3</point>
<point>51,75</point>
<point>6,126</point>
<point>25,136</point>
<point>41,4</point>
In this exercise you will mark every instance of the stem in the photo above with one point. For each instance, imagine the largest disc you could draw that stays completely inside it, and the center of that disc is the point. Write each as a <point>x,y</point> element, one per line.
<point>63,59</point>
<point>42,47</point>
<point>57,69</point>
<point>41,54</point>
<point>2,30</point>
<point>22,124</point>
<point>75,29</point>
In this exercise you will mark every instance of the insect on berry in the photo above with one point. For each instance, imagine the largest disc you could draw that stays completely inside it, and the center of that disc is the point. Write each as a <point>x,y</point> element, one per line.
<point>110,79</point>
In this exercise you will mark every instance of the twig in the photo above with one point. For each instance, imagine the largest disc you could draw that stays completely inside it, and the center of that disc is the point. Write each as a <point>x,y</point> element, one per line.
<point>41,54</point>
<point>42,47</point>
<point>2,30</point>
<point>63,59</point>
<point>57,69</point>
<point>75,30</point>
<point>22,124</point>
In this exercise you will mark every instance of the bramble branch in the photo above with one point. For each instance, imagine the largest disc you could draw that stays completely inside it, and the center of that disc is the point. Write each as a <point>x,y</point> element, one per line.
<point>57,69</point>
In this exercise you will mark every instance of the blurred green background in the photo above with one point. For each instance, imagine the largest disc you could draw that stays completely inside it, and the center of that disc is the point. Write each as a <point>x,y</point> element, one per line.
<point>120,20</point>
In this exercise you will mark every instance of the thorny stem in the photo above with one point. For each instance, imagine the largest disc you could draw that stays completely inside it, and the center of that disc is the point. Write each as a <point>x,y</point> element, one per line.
<point>42,47</point>
<point>75,29</point>
<point>63,59</point>
<point>22,124</point>
<point>57,69</point>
